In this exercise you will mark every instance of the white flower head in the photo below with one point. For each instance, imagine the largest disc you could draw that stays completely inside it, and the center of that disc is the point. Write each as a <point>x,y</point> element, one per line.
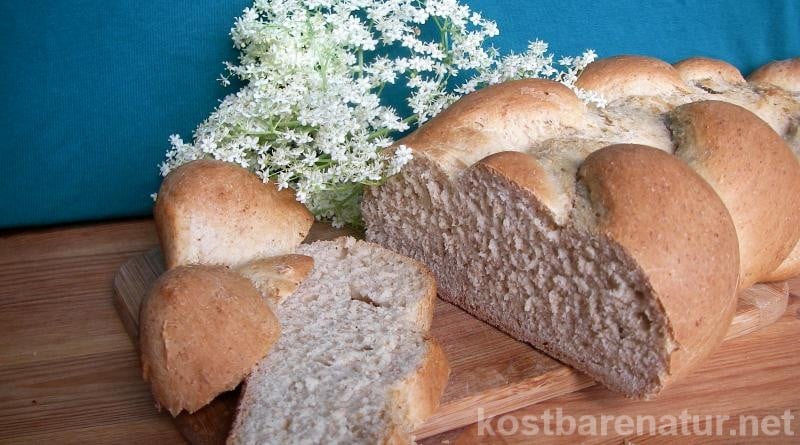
<point>312,114</point>
<point>402,156</point>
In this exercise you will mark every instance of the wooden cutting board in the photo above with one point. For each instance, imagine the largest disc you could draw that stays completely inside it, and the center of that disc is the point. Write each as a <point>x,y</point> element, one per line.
<point>489,369</point>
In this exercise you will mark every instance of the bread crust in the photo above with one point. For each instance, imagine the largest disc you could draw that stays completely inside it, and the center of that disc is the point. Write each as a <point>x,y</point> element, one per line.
<point>671,223</point>
<point>784,74</point>
<point>510,116</point>
<point>416,397</point>
<point>277,277</point>
<point>774,102</point>
<point>790,267</point>
<point>214,212</point>
<point>697,69</point>
<point>428,303</point>
<point>684,238</point>
<point>528,173</point>
<point>202,329</point>
<point>622,76</point>
<point>753,171</point>
<point>680,234</point>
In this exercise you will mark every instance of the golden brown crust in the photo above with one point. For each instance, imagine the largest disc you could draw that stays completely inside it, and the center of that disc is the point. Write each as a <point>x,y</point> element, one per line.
<point>214,212</point>
<point>784,74</point>
<point>623,76</point>
<point>507,116</point>
<point>698,69</point>
<point>753,171</point>
<point>428,303</point>
<point>790,267</point>
<point>202,329</point>
<point>277,277</point>
<point>418,395</point>
<point>671,223</point>
<point>680,234</point>
<point>527,172</point>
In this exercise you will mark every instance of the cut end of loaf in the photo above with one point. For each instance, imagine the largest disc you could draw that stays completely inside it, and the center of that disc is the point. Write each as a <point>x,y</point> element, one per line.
<point>576,296</point>
<point>353,348</point>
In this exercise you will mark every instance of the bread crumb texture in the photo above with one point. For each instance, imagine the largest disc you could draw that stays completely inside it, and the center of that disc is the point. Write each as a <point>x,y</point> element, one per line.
<point>353,347</point>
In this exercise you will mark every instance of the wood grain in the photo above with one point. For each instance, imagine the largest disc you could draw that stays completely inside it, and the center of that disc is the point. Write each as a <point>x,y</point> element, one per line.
<point>69,372</point>
<point>489,369</point>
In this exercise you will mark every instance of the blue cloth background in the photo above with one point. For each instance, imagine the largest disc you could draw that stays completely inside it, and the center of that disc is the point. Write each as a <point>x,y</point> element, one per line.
<point>90,90</point>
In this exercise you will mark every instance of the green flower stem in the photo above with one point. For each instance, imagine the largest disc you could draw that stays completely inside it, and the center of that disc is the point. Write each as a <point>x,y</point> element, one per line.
<point>383,132</point>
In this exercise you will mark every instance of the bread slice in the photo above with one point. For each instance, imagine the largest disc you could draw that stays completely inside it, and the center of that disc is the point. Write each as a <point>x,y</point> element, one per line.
<point>214,212</point>
<point>202,329</point>
<point>353,364</point>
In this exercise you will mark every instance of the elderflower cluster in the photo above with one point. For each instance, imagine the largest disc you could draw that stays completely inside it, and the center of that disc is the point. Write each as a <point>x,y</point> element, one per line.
<point>312,115</point>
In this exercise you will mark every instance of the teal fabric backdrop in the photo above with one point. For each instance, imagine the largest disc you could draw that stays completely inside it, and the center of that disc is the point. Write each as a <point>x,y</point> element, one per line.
<point>90,90</point>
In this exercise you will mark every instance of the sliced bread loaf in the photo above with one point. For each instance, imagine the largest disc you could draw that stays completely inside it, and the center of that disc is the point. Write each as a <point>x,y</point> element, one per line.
<point>353,364</point>
<point>632,282</point>
<point>530,219</point>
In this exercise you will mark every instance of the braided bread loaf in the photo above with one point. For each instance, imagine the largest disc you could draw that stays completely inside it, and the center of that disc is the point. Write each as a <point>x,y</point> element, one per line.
<point>616,238</point>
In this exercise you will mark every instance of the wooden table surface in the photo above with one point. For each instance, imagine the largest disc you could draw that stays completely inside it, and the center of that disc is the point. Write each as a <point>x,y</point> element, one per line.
<point>69,373</point>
